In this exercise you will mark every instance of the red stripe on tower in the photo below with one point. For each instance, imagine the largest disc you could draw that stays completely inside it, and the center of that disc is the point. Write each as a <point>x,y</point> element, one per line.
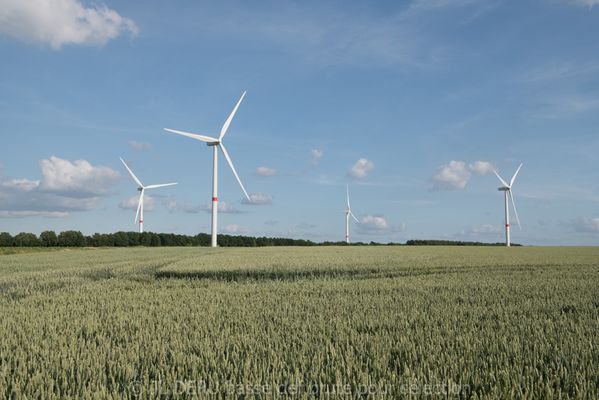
<point>507,225</point>
<point>215,199</point>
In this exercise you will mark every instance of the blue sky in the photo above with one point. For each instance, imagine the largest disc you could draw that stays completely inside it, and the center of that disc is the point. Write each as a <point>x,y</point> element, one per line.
<point>412,103</point>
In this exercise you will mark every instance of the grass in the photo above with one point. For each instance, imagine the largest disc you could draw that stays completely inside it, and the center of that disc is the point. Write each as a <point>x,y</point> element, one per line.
<point>391,322</point>
<point>22,250</point>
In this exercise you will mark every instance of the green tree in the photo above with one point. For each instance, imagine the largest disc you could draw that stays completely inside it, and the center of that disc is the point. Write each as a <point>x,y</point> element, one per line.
<point>155,240</point>
<point>25,239</point>
<point>145,239</point>
<point>48,239</point>
<point>120,239</point>
<point>6,240</point>
<point>71,239</point>
<point>133,238</point>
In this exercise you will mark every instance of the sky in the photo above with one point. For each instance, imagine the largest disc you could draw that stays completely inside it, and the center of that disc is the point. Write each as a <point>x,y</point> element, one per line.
<point>411,103</point>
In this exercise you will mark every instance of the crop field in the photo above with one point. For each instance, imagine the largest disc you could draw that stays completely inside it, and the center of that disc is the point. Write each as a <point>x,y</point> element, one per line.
<point>317,322</point>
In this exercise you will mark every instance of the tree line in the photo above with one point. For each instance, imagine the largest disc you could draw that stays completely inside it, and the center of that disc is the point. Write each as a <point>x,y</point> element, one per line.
<point>453,243</point>
<point>129,239</point>
<point>151,239</point>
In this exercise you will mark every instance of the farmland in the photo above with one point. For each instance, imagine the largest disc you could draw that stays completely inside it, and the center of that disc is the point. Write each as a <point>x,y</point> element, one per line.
<point>297,322</point>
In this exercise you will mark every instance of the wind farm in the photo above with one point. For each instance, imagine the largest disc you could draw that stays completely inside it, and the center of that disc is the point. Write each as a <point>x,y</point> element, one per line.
<point>137,264</point>
<point>202,294</point>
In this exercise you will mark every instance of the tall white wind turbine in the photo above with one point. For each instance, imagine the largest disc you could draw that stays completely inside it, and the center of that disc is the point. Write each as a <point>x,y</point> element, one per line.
<point>347,214</point>
<point>142,189</point>
<point>217,143</point>
<point>507,193</point>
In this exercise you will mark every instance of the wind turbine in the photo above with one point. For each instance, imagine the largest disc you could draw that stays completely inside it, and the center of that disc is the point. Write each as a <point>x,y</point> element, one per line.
<point>507,192</point>
<point>142,189</point>
<point>347,214</point>
<point>217,143</point>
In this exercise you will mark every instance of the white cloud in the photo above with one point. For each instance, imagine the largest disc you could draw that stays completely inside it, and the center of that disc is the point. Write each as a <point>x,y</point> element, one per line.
<point>78,177</point>
<point>258,199</point>
<point>21,184</point>
<point>377,224</point>
<point>170,203</point>
<point>61,22</point>
<point>426,5</point>
<point>325,34</point>
<point>585,225</point>
<point>456,174</point>
<point>586,3</point>
<point>371,222</point>
<point>484,230</point>
<point>566,106</point>
<point>135,145</point>
<point>223,207</point>
<point>131,203</point>
<point>569,70</point>
<point>451,176</point>
<point>487,233</point>
<point>234,228</point>
<point>65,186</point>
<point>361,169</point>
<point>305,226</point>
<point>25,214</point>
<point>315,156</point>
<point>265,171</point>
<point>481,167</point>
<point>560,192</point>
<point>37,200</point>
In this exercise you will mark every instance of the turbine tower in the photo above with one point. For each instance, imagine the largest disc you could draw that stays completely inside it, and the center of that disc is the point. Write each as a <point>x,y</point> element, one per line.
<point>347,214</point>
<point>507,194</point>
<point>216,143</point>
<point>142,189</point>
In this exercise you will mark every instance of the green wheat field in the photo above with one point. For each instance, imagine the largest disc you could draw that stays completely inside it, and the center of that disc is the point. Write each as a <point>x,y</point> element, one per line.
<point>315,322</point>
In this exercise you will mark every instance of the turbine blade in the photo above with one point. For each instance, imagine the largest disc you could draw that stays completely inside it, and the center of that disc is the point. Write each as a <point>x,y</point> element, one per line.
<point>228,121</point>
<point>226,154</point>
<point>131,173</point>
<point>141,197</point>
<point>515,211</point>
<point>515,175</point>
<point>501,179</point>
<point>347,187</point>
<point>193,135</point>
<point>160,185</point>
<point>354,217</point>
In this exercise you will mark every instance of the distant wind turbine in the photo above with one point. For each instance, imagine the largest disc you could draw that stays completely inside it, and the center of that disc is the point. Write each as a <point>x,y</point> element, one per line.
<point>347,214</point>
<point>217,143</point>
<point>507,190</point>
<point>141,188</point>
